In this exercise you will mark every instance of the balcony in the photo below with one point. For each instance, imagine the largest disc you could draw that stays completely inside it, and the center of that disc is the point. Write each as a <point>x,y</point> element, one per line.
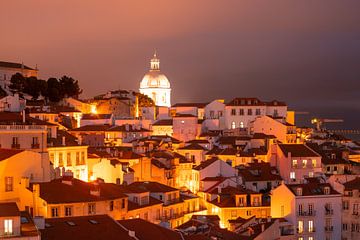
<point>329,212</point>
<point>35,146</point>
<point>15,146</point>
<point>329,228</point>
<point>306,214</point>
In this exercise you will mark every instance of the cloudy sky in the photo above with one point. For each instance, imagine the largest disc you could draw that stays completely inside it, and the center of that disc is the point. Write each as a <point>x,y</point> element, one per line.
<point>306,53</point>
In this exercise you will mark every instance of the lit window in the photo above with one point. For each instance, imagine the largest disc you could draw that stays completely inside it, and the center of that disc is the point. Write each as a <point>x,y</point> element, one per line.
<point>9,184</point>
<point>311,226</point>
<point>304,162</point>
<point>300,226</point>
<point>314,162</point>
<point>292,175</point>
<point>91,208</point>
<point>8,226</point>
<point>233,126</point>
<point>241,124</point>
<point>294,163</point>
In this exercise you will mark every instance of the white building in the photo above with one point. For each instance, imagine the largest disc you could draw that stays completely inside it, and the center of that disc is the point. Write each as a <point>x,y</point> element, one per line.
<point>241,111</point>
<point>156,85</point>
<point>314,208</point>
<point>7,69</point>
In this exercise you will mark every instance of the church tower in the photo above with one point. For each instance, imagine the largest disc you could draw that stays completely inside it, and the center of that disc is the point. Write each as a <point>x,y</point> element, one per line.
<point>156,85</point>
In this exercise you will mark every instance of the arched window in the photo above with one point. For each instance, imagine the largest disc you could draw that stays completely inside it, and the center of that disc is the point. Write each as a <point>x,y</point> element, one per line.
<point>233,125</point>
<point>241,125</point>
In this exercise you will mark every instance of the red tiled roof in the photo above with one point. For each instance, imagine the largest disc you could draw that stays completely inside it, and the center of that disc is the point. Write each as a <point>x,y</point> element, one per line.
<point>354,184</point>
<point>163,122</point>
<point>259,172</point>
<point>152,202</point>
<point>7,153</point>
<point>192,146</point>
<point>84,227</point>
<point>145,230</point>
<point>205,164</point>
<point>148,187</point>
<point>9,209</point>
<point>198,105</point>
<point>312,188</point>
<point>181,115</point>
<point>11,118</point>
<point>56,191</point>
<point>95,116</point>
<point>298,150</point>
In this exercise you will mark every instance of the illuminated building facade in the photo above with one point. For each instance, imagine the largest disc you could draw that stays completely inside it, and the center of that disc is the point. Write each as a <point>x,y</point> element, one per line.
<point>156,85</point>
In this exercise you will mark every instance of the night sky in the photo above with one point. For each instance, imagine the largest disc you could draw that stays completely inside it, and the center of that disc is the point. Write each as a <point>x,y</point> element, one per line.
<point>306,53</point>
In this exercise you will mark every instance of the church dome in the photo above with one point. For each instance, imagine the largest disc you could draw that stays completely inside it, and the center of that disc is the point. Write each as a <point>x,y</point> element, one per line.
<point>154,78</point>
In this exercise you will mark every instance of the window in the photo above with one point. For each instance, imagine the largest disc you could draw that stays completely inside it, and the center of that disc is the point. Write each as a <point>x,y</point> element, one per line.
<point>15,140</point>
<point>77,158</point>
<point>8,227</point>
<point>220,113</point>
<point>345,227</point>
<point>68,159</point>
<point>51,157</point>
<point>304,162</point>
<point>241,112</point>
<point>212,114</point>
<point>233,112</point>
<point>313,162</point>
<point>35,142</point>
<point>241,201</point>
<point>111,206</point>
<point>299,191</point>
<point>54,212</point>
<point>292,175</point>
<point>311,226</point>
<point>61,162</point>
<point>311,174</point>
<point>248,213</point>
<point>300,226</point>
<point>68,211</point>
<point>241,125</point>
<point>345,205</point>
<point>9,184</point>
<point>136,199</point>
<point>294,163</point>
<point>311,209</point>
<point>91,208</point>
<point>327,190</point>
<point>276,113</point>
<point>257,111</point>
<point>249,112</point>
<point>233,126</point>
<point>300,209</point>
<point>82,158</point>
<point>356,209</point>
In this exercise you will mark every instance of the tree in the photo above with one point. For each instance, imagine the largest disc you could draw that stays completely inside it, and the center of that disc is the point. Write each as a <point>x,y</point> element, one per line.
<point>145,101</point>
<point>69,87</point>
<point>53,90</point>
<point>32,87</point>
<point>17,82</point>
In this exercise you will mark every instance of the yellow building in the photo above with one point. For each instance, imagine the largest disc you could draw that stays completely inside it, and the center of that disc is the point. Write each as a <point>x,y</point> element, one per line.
<point>230,203</point>
<point>67,196</point>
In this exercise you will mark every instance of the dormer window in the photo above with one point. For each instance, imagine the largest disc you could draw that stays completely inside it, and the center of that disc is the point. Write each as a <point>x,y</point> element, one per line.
<point>327,190</point>
<point>299,191</point>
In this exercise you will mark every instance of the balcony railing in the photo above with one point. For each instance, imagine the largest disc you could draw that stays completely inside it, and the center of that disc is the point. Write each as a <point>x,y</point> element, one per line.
<point>306,214</point>
<point>15,146</point>
<point>329,228</point>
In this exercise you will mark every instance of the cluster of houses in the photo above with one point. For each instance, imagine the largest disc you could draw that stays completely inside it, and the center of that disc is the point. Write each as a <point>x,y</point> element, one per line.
<point>100,169</point>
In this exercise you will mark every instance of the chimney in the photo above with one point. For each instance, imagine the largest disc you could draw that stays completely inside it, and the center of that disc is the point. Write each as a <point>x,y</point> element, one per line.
<point>95,189</point>
<point>67,178</point>
<point>63,141</point>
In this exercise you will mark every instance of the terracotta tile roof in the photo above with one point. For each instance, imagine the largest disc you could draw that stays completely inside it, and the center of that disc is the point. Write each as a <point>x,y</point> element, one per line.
<point>184,115</point>
<point>14,65</point>
<point>262,136</point>
<point>70,140</point>
<point>192,146</point>
<point>205,164</point>
<point>139,187</point>
<point>163,122</point>
<point>145,230</point>
<point>127,128</point>
<point>95,116</point>
<point>56,191</point>
<point>159,164</point>
<point>298,150</point>
<point>231,140</point>
<point>312,188</point>
<point>85,227</point>
<point>354,184</point>
<point>129,155</point>
<point>199,141</point>
<point>11,118</point>
<point>7,153</point>
<point>198,105</point>
<point>95,127</point>
<point>259,172</point>
<point>9,209</point>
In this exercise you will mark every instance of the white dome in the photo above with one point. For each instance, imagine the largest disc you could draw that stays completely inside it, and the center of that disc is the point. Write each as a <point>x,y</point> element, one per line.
<point>154,79</point>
